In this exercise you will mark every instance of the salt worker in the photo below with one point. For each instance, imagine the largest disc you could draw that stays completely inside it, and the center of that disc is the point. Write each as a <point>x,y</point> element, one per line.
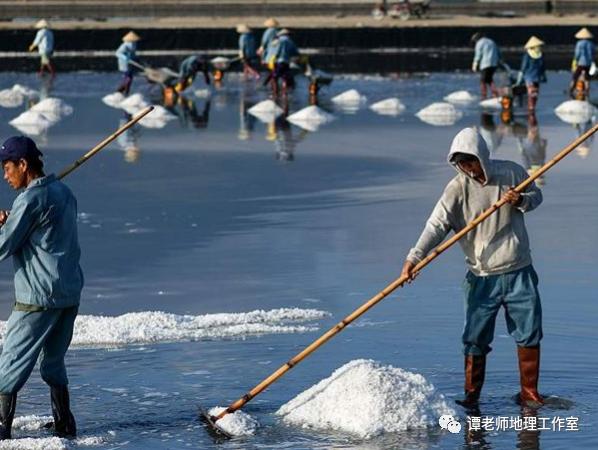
<point>44,42</point>
<point>40,233</point>
<point>189,68</point>
<point>269,35</point>
<point>247,51</point>
<point>485,60</point>
<point>498,256</point>
<point>582,60</point>
<point>125,54</point>
<point>286,52</point>
<point>532,71</point>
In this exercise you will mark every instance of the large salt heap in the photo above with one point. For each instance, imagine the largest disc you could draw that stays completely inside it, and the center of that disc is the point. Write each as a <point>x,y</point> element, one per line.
<point>366,398</point>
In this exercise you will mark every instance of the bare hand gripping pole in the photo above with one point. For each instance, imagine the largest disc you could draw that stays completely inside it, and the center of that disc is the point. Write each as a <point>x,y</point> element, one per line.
<point>211,420</point>
<point>140,115</point>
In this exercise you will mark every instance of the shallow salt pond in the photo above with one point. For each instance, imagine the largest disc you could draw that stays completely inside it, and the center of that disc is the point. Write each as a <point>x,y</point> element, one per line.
<point>191,229</point>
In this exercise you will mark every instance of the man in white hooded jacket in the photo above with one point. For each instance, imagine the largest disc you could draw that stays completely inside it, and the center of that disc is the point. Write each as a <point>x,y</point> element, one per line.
<point>498,257</point>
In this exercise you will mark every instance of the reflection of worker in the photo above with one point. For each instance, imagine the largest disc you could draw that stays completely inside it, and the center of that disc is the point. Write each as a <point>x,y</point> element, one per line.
<point>485,60</point>
<point>533,149</point>
<point>246,120</point>
<point>532,71</point>
<point>582,61</point>
<point>583,150</point>
<point>189,68</point>
<point>498,255</point>
<point>128,141</point>
<point>188,114</point>
<point>286,51</point>
<point>44,42</point>
<point>489,133</point>
<point>40,233</point>
<point>247,51</point>
<point>125,54</point>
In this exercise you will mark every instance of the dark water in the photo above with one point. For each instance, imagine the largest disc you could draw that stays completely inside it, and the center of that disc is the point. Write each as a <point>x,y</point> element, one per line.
<point>204,221</point>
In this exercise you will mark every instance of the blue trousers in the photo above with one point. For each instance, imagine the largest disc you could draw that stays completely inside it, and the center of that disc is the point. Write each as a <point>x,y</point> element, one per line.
<point>517,293</point>
<point>31,335</point>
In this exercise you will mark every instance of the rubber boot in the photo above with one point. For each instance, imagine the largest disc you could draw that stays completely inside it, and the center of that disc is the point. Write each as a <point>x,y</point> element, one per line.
<point>529,372</point>
<point>531,103</point>
<point>64,421</point>
<point>475,371</point>
<point>8,403</point>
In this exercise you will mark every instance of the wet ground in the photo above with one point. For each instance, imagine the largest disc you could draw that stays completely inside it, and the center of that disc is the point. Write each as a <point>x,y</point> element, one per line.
<point>219,213</point>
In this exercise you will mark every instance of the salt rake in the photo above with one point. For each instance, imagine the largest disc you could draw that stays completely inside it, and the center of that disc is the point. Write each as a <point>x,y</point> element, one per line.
<point>211,420</point>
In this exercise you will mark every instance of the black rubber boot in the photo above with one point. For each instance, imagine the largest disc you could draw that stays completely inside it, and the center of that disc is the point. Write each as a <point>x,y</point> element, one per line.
<point>64,421</point>
<point>8,403</point>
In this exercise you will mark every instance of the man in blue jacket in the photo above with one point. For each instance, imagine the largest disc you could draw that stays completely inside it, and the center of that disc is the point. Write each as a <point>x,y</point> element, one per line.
<point>40,233</point>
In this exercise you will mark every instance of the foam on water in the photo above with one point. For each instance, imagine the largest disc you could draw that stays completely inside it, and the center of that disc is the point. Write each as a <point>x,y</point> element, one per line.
<point>575,111</point>
<point>310,118</point>
<point>366,398</point>
<point>154,326</point>
<point>238,423</point>
<point>460,97</point>
<point>389,107</point>
<point>439,114</point>
<point>491,103</point>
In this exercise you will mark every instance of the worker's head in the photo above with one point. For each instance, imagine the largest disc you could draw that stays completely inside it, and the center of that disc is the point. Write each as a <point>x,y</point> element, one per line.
<point>469,164</point>
<point>476,37</point>
<point>131,36</point>
<point>271,22</point>
<point>21,161</point>
<point>243,28</point>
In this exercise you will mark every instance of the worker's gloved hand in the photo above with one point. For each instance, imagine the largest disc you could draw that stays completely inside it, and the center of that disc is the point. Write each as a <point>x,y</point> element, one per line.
<point>474,67</point>
<point>3,216</point>
<point>513,197</point>
<point>408,267</point>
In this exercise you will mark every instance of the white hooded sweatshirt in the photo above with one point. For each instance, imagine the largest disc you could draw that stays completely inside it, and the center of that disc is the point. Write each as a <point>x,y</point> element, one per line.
<point>499,244</point>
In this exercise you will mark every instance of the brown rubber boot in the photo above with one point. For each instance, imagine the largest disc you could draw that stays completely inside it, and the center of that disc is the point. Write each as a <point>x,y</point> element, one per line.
<point>529,372</point>
<point>475,371</point>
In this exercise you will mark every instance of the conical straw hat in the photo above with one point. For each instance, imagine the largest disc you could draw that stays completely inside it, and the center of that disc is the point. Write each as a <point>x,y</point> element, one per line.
<point>534,42</point>
<point>584,33</point>
<point>42,24</point>
<point>131,36</point>
<point>271,22</point>
<point>242,28</point>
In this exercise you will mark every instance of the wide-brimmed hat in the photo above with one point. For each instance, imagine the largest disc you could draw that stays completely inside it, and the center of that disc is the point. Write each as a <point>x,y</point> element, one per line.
<point>242,28</point>
<point>131,36</point>
<point>534,42</point>
<point>271,22</point>
<point>283,32</point>
<point>42,24</point>
<point>584,33</point>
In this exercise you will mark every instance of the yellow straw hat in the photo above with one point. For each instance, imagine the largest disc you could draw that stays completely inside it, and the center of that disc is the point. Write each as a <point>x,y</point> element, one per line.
<point>242,28</point>
<point>584,33</point>
<point>271,22</point>
<point>42,24</point>
<point>534,42</point>
<point>131,36</point>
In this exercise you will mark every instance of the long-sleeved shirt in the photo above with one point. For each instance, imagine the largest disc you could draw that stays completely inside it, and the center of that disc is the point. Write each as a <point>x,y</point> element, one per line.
<point>247,48</point>
<point>44,41</point>
<point>125,53</point>
<point>41,236</point>
<point>584,52</point>
<point>486,53</point>
<point>286,50</point>
<point>500,243</point>
<point>532,69</point>
<point>268,36</point>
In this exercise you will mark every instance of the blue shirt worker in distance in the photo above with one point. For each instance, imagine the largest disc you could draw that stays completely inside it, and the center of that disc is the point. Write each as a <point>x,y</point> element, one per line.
<point>247,51</point>
<point>532,71</point>
<point>485,60</point>
<point>40,233</point>
<point>44,42</point>
<point>498,256</point>
<point>127,52</point>
<point>286,52</point>
<point>269,35</point>
<point>582,61</point>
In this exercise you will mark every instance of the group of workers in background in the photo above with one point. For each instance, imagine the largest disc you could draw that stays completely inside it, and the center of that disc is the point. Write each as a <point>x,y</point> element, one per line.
<point>532,72</point>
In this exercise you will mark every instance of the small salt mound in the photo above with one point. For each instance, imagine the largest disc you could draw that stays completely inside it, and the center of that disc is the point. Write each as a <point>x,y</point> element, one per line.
<point>31,422</point>
<point>367,399</point>
<point>575,112</point>
<point>351,97</point>
<point>439,114</point>
<point>238,423</point>
<point>24,90</point>
<point>152,326</point>
<point>32,123</point>
<point>310,118</point>
<point>491,103</point>
<point>266,111</point>
<point>133,103</point>
<point>114,100</point>
<point>460,97</point>
<point>10,98</point>
<point>53,108</point>
<point>389,107</point>
<point>158,118</point>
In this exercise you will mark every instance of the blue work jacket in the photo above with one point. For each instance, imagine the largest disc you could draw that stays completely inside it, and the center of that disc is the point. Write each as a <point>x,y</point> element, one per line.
<point>533,69</point>
<point>584,52</point>
<point>286,50</point>
<point>486,53</point>
<point>247,46</point>
<point>41,236</point>
<point>44,41</point>
<point>125,53</point>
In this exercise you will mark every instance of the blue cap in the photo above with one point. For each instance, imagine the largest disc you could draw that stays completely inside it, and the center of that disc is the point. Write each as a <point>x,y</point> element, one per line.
<point>17,147</point>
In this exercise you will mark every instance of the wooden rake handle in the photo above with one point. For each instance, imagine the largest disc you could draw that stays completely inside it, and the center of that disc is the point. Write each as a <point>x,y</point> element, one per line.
<point>140,115</point>
<point>398,282</point>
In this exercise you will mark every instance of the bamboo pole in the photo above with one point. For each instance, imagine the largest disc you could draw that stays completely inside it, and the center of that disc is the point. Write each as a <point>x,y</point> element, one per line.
<point>396,283</point>
<point>140,115</point>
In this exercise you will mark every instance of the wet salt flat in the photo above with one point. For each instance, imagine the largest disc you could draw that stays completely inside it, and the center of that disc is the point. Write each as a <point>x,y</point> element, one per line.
<point>217,245</point>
